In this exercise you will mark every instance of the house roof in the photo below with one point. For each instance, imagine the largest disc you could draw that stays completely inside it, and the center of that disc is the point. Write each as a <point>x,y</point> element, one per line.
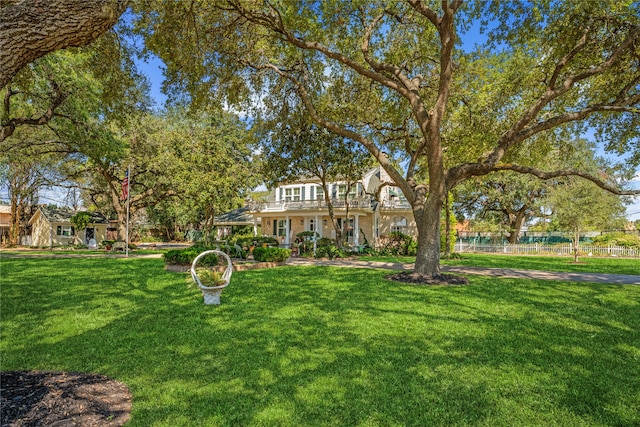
<point>241,216</point>
<point>58,214</point>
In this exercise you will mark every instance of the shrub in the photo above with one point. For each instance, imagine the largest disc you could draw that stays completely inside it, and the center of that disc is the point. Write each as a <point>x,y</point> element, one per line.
<point>234,252</point>
<point>618,239</point>
<point>327,248</point>
<point>305,242</point>
<point>269,254</point>
<point>247,241</point>
<point>186,256</point>
<point>210,278</point>
<point>399,244</point>
<point>194,235</point>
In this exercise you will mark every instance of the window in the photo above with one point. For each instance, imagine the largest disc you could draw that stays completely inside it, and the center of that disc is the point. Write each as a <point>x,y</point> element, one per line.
<point>399,225</point>
<point>320,193</point>
<point>292,194</point>
<point>65,230</point>
<point>342,189</point>
<point>282,227</point>
<point>312,225</point>
<point>349,226</point>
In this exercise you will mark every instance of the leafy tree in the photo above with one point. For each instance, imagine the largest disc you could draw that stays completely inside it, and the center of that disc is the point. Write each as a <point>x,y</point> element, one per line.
<point>579,206</point>
<point>391,76</point>
<point>81,220</point>
<point>70,93</point>
<point>24,174</point>
<point>506,198</point>
<point>30,29</point>
<point>295,147</point>
<point>189,168</point>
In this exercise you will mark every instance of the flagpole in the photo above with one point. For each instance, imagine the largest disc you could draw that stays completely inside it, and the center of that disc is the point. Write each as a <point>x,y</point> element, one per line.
<point>126,246</point>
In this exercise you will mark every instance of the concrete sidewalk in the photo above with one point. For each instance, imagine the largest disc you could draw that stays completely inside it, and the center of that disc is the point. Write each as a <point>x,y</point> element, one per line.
<point>612,279</point>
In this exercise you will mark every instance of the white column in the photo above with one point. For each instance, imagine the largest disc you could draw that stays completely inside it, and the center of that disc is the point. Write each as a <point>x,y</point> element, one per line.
<point>356,231</point>
<point>286,238</point>
<point>319,226</point>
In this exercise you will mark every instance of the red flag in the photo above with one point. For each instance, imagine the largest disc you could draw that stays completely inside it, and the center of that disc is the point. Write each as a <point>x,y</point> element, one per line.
<point>125,186</point>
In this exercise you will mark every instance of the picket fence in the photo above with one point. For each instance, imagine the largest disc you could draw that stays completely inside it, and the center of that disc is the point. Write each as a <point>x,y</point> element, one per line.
<point>542,249</point>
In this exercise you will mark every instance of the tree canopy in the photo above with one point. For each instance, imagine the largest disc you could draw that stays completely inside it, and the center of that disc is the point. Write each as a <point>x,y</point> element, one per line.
<point>398,78</point>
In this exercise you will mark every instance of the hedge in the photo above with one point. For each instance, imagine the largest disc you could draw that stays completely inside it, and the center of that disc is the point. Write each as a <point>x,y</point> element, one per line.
<point>186,256</point>
<point>271,254</point>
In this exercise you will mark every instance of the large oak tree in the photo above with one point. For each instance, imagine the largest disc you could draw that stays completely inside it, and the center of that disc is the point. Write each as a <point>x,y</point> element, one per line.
<point>29,29</point>
<point>399,78</point>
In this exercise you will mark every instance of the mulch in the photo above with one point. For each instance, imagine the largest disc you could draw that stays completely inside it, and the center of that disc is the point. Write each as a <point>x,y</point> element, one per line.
<point>43,398</point>
<point>424,279</point>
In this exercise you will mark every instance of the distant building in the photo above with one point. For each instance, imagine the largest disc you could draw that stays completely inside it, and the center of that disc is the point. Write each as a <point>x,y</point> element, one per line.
<point>51,226</point>
<point>5,222</point>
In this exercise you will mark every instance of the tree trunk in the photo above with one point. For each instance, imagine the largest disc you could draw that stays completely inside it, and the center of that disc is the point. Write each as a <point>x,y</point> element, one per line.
<point>516,225</point>
<point>332,215</point>
<point>428,223</point>
<point>447,227</point>
<point>16,215</point>
<point>30,29</point>
<point>576,243</point>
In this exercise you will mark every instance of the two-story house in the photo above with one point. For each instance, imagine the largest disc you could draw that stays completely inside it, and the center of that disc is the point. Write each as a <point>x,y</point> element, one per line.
<point>299,206</point>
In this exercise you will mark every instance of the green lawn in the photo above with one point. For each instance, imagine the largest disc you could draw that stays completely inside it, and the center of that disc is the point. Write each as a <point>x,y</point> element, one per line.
<point>329,347</point>
<point>545,263</point>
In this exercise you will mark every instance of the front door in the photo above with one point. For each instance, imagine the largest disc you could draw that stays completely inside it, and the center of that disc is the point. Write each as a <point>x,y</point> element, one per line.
<point>89,233</point>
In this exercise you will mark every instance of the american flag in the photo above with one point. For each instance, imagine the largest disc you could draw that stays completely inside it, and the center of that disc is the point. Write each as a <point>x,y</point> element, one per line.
<point>125,186</point>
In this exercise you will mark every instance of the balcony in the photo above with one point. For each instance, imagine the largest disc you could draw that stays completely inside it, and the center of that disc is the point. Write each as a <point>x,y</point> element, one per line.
<point>282,206</point>
<point>396,204</point>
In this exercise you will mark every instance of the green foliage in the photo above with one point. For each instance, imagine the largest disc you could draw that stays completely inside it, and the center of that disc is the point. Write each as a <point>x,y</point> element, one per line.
<point>398,244</point>
<point>247,241</point>
<point>210,277</point>
<point>618,239</point>
<point>194,236</point>
<point>270,254</point>
<point>305,242</point>
<point>327,248</point>
<point>544,72</point>
<point>81,220</point>
<point>186,256</point>
<point>307,234</point>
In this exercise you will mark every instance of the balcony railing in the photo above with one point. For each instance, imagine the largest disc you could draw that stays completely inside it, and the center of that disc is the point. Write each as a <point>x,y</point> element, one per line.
<point>396,204</point>
<point>356,203</point>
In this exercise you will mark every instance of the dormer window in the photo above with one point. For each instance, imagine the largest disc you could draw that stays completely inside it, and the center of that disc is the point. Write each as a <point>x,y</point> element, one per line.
<point>292,194</point>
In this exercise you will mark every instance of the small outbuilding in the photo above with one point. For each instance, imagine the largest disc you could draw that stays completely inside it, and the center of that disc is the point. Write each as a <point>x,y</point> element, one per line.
<point>241,217</point>
<point>52,226</point>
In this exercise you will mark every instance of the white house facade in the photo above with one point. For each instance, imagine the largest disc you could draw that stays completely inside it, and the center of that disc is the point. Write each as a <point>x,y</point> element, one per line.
<point>300,206</point>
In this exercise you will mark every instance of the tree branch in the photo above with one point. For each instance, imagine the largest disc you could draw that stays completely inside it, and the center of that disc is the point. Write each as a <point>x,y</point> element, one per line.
<point>8,128</point>
<point>30,29</point>
<point>566,172</point>
<point>515,133</point>
<point>342,131</point>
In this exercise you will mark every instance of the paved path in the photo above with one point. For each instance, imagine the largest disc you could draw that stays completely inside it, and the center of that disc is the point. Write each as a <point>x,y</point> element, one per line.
<point>615,279</point>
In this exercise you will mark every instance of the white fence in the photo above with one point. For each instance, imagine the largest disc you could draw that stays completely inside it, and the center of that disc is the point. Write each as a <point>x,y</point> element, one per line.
<point>538,248</point>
